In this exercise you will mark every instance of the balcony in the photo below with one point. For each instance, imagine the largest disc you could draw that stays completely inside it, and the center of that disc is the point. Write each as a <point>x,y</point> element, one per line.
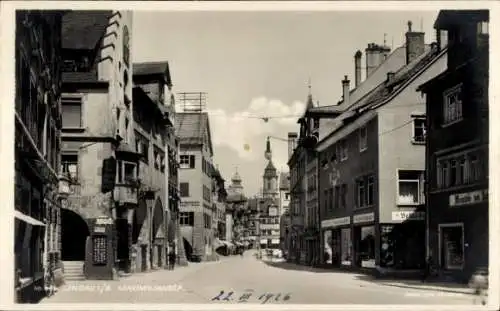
<point>125,194</point>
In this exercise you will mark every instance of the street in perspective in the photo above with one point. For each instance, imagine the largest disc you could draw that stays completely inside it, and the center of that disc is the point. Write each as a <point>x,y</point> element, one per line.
<point>267,157</point>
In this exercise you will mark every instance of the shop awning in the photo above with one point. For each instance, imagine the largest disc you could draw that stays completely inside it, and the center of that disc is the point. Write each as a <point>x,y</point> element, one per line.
<point>28,219</point>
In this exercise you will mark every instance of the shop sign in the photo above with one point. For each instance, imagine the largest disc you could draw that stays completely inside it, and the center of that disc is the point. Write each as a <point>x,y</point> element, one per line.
<point>104,221</point>
<point>368,217</point>
<point>100,229</point>
<point>469,198</point>
<point>335,222</point>
<point>190,204</point>
<point>407,215</point>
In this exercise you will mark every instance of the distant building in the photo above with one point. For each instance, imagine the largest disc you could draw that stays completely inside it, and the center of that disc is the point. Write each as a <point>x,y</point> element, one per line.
<point>195,180</point>
<point>37,205</point>
<point>219,200</point>
<point>284,188</point>
<point>236,209</point>
<point>457,141</point>
<point>97,143</point>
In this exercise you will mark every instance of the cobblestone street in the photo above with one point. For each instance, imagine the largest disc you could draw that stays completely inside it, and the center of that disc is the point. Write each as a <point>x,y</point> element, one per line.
<point>247,276</point>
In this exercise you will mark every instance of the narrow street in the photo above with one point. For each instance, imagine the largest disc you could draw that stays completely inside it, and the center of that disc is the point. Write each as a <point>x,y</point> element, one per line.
<point>202,282</point>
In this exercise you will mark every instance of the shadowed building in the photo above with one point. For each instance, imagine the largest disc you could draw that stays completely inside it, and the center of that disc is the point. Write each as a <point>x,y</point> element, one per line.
<point>458,146</point>
<point>37,150</point>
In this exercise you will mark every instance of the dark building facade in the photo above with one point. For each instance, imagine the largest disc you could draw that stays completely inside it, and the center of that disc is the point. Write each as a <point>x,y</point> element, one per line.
<point>37,149</point>
<point>457,146</point>
<point>155,220</point>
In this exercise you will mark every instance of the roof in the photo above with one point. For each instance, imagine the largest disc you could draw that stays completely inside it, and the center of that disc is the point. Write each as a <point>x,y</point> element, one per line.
<point>388,89</point>
<point>284,181</point>
<point>83,30</point>
<point>153,68</point>
<point>270,169</point>
<point>138,94</point>
<point>191,127</point>
<point>451,18</point>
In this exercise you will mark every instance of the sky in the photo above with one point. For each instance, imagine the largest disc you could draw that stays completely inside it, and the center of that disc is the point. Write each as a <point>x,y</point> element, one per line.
<point>254,64</point>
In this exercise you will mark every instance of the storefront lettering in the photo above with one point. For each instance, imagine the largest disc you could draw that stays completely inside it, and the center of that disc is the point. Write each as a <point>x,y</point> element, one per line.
<point>335,222</point>
<point>407,215</point>
<point>368,217</point>
<point>99,229</point>
<point>104,221</point>
<point>468,198</point>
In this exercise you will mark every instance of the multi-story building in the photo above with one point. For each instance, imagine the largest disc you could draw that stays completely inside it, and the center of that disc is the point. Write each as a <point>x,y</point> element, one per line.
<point>98,138</point>
<point>153,116</point>
<point>457,146</point>
<point>284,190</point>
<point>219,196</point>
<point>195,180</point>
<point>37,149</point>
<point>371,173</point>
<point>302,164</point>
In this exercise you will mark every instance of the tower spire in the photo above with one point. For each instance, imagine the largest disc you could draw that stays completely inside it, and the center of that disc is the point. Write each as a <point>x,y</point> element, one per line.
<point>310,103</point>
<point>268,153</point>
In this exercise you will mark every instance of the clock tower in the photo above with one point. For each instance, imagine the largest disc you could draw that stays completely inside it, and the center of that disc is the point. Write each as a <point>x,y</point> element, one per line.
<point>270,178</point>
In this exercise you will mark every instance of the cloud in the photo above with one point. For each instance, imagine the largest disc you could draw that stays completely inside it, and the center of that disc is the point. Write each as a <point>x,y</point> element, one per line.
<point>245,132</point>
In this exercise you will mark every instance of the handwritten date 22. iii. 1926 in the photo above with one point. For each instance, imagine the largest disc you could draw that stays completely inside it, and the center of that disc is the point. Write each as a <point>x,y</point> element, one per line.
<point>263,298</point>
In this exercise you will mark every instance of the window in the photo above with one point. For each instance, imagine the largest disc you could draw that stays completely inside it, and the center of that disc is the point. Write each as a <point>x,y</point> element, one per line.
<point>129,172</point>
<point>142,147</point>
<point>419,130</point>
<point>187,161</point>
<point>184,189</point>
<point>69,165</point>
<point>409,187</point>
<point>370,193</point>
<point>364,195</point>
<point>337,197</point>
<point>363,139</point>
<point>186,218</point>
<point>342,149</point>
<point>330,198</point>
<point>71,113</point>
<point>343,196</point>
<point>464,168</point>
<point>452,105</point>
<point>483,28</point>
<point>126,172</point>
<point>126,129</point>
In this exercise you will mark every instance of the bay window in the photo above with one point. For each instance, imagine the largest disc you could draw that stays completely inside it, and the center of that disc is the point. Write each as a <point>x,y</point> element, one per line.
<point>409,187</point>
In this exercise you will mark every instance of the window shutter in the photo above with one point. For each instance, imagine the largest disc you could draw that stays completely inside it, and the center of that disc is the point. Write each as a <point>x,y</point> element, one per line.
<point>108,175</point>
<point>191,161</point>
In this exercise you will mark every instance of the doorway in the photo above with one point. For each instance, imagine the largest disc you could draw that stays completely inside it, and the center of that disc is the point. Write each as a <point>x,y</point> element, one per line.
<point>451,246</point>
<point>74,233</point>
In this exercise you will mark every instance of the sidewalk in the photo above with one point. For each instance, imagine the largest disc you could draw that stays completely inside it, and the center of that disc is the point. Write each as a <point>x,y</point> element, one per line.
<point>445,287</point>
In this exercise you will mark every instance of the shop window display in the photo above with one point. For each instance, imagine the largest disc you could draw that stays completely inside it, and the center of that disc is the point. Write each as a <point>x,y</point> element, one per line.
<point>346,247</point>
<point>367,247</point>
<point>387,247</point>
<point>452,255</point>
<point>328,247</point>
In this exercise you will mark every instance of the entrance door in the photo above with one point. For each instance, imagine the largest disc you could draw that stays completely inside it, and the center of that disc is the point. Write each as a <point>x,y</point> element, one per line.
<point>451,240</point>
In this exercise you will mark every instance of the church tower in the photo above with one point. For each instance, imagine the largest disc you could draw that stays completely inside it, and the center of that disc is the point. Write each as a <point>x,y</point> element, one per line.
<point>270,178</point>
<point>236,187</point>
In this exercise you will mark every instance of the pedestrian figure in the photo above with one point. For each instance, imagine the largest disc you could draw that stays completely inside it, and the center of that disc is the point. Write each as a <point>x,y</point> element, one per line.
<point>171,260</point>
<point>479,284</point>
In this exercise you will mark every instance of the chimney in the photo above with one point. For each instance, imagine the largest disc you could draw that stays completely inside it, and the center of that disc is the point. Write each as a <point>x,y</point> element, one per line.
<point>357,68</point>
<point>292,140</point>
<point>375,55</point>
<point>345,90</point>
<point>415,45</point>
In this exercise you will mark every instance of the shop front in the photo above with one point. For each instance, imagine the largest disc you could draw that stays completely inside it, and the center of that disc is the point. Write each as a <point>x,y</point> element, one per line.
<point>337,244</point>
<point>402,243</point>
<point>459,233</point>
<point>364,233</point>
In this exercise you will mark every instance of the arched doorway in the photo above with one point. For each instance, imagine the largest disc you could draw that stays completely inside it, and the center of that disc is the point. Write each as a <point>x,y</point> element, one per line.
<point>74,233</point>
<point>157,224</point>
<point>188,249</point>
